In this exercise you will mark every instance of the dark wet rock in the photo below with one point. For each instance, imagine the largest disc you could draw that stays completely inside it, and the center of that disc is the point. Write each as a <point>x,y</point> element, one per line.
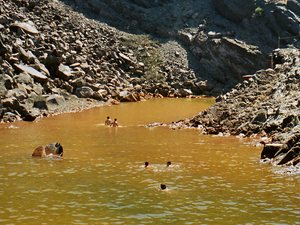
<point>40,103</point>
<point>64,72</point>
<point>269,151</point>
<point>55,99</point>
<point>9,117</point>
<point>290,155</point>
<point>31,115</point>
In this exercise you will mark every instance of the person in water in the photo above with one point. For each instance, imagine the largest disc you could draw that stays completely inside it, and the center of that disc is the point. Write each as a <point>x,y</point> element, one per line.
<point>108,121</point>
<point>146,164</point>
<point>169,163</point>
<point>163,186</point>
<point>115,123</point>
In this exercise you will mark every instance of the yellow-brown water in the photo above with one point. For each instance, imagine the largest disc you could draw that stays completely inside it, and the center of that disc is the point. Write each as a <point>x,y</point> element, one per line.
<point>101,180</point>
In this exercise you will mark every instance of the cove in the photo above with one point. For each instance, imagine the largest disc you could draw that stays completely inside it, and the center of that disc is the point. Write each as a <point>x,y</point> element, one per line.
<point>102,179</point>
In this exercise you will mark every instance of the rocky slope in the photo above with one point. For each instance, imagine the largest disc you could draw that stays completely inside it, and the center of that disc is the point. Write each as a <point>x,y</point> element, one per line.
<point>223,40</point>
<point>265,105</point>
<point>53,59</point>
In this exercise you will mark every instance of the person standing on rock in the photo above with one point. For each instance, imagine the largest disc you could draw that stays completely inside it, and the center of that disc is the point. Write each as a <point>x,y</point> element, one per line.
<point>108,121</point>
<point>115,123</point>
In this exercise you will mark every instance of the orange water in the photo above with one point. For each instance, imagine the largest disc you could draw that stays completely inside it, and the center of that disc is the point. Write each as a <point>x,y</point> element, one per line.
<point>101,180</point>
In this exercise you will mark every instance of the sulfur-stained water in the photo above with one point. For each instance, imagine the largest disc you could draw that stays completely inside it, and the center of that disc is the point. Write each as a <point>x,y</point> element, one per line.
<point>102,179</point>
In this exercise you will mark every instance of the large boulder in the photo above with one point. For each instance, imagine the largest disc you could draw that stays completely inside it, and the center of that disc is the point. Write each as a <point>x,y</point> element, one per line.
<point>290,156</point>
<point>84,92</point>
<point>270,150</point>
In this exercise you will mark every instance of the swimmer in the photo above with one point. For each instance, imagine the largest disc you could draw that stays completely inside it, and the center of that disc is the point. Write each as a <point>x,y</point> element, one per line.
<point>169,163</point>
<point>108,121</point>
<point>115,123</point>
<point>163,186</point>
<point>146,164</point>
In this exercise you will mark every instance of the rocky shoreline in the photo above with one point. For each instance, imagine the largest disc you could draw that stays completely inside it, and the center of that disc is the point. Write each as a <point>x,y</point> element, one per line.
<point>264,106</point>
<point>54,60</point>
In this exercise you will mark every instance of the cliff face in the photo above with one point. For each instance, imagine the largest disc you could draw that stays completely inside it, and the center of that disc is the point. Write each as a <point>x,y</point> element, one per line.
<point>224,39</point>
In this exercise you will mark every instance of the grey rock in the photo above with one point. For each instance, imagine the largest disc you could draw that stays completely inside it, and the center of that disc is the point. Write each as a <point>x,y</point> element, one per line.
<point>84,92</point>
<point>38,76</point>
<point>55,99</point>
<point>27,27</point>
<point>64,72</point>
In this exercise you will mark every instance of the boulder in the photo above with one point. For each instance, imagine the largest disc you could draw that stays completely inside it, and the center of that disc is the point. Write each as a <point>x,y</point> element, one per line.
<point>31,114</point>
<point>28,27</point>
<point>55,99</point>
<point>64,72</point>
<point>270,150</point>
<point>38,76</point>
<point>290,155</point>
<point>84,92</point>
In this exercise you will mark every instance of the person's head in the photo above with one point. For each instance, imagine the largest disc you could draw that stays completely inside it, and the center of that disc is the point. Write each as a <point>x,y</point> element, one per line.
<point>163,186</point>
<point>59,149</point>
<point>146,164</point>
<point>107,117</point>
<point>115,119</point>
<point>169,163</point>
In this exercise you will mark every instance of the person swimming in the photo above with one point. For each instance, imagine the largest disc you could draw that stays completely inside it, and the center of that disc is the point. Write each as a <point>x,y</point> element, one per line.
<point>163,186</point>
<point>169,163</point>
<point>114,123</point>
<point>146,164</point>
<point>108,121</point>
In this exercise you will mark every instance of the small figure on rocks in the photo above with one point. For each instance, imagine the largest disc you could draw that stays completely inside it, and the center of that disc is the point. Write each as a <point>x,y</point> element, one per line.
<point>146,164</point>
<point>115,123</point>
<point>108,121</point>
<point>163,186</point>
<point>50,150</point>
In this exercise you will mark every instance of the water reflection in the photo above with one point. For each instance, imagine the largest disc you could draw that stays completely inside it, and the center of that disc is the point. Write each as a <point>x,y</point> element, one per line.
<point>102,178</point>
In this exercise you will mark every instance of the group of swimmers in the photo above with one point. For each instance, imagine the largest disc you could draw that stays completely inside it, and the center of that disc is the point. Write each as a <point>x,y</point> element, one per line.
<point>109,122</point>
<point>162,186</point>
